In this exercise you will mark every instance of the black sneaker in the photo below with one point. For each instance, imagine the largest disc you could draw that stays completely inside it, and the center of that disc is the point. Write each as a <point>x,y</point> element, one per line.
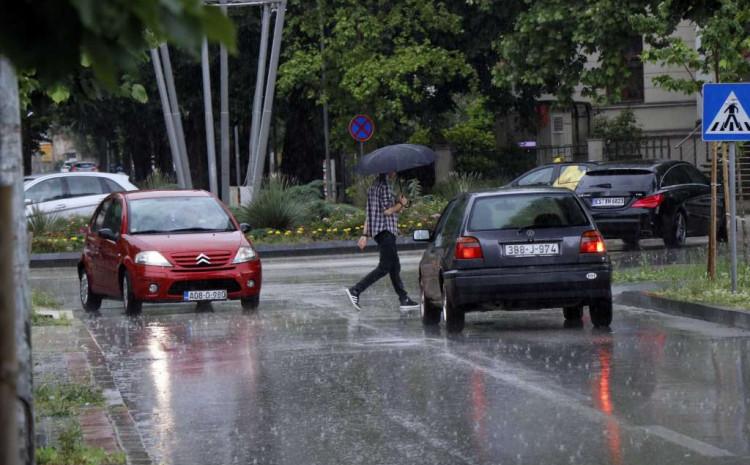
<point>408,304</point>
<point>353,297</point>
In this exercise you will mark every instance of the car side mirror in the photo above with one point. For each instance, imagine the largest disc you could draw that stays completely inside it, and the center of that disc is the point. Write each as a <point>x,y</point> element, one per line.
<point>106,233</point>
<point>244,227</point>
<point>421,235</point>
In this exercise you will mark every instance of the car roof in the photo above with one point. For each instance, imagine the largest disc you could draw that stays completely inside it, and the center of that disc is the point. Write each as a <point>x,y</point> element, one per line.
<point>163,193</point>
<point>649,165</point>
<point>105,174</point>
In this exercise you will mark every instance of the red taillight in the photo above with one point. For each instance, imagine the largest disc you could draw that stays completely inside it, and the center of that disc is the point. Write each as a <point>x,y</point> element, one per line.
<point>592,242</point>
<point>650,201</point>
<point>468,248</point>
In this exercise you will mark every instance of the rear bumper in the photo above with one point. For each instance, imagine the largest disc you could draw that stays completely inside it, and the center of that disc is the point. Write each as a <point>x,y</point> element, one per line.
<point>638,223</point>
<point>531,287</point>
<point>172,283</point>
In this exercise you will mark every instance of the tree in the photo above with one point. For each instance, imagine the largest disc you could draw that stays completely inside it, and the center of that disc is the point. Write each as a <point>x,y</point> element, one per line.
<point>51,40</point>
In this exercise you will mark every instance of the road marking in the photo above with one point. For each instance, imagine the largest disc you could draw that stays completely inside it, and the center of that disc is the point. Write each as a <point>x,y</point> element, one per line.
<point>705,449</point>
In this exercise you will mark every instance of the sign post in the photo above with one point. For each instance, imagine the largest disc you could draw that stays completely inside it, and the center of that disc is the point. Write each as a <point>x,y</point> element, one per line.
<point>725,119</point>
<point>361,128</point>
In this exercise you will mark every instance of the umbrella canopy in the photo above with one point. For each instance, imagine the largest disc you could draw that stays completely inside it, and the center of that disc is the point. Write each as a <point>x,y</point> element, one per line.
<point>398,157</point>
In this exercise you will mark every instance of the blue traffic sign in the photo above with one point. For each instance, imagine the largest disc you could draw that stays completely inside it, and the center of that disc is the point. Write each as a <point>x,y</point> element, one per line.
<point>725,108</point>
<point>361,128</point>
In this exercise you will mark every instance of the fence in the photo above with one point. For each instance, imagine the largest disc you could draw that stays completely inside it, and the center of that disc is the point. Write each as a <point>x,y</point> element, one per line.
<point>559,153</point>
<point>691,149</point>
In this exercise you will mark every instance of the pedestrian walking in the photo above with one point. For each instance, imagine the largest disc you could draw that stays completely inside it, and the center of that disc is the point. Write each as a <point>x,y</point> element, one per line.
<point>381,223</point>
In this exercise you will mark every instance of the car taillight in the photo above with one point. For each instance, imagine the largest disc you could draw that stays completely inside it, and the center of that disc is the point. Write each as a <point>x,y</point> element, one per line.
<point>468,248</point>
<point>592,242</point>
<point>650,201</point>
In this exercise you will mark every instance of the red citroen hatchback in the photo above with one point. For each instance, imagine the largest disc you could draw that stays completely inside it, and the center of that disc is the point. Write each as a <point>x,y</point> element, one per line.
<point>167,246</point>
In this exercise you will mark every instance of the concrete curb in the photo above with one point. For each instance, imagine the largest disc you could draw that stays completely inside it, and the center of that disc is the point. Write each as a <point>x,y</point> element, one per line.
<point>63,259</point>
<point>723,316</point>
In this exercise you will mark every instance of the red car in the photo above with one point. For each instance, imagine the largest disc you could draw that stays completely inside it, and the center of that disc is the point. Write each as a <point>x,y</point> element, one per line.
<point>167,246</point>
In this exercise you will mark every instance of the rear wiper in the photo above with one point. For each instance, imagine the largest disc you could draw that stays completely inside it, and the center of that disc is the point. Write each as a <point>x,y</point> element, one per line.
<point>538,226</point>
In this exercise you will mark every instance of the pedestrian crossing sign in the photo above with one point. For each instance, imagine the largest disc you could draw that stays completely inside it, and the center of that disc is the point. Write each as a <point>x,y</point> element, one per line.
<point>725,112</point>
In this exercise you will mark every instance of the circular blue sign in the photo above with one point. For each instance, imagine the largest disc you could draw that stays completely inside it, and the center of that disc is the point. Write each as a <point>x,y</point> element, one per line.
<point>361,128</point>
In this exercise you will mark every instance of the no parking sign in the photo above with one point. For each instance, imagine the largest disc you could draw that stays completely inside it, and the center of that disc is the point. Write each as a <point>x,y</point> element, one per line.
<point>361,128</point>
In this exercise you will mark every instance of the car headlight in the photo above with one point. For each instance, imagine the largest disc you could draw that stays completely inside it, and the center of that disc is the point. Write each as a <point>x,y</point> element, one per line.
<point>244,254</point>
<point>151,257</point>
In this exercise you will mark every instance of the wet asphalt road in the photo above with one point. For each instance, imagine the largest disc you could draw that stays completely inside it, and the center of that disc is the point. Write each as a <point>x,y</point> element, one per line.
<point>308,380</point>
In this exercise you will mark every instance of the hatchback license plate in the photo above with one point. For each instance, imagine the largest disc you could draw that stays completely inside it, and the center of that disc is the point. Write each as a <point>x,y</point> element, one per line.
<point>608,202</point>
<point>204,295</point>
<point>532,250</point>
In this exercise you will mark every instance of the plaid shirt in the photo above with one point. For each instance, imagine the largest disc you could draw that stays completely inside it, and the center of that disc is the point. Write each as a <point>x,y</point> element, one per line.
<point>379,199</point>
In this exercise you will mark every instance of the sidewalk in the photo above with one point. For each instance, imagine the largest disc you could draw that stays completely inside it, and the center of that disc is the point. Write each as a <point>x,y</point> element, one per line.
<point>68,355</point>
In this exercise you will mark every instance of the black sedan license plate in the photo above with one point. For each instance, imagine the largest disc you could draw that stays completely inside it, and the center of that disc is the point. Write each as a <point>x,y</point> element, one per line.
<point>608,202</point>
<point>204,295</point>
<point>539,249</point>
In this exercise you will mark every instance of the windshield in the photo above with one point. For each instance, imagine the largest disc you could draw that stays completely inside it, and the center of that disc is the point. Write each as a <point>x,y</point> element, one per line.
<point>177,215</point>
<point>524,211</point>
<point>624,179</point>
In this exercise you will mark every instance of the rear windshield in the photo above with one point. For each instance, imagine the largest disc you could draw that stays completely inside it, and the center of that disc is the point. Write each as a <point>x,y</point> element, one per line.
<point>630,179</point>
<point>526,211</point>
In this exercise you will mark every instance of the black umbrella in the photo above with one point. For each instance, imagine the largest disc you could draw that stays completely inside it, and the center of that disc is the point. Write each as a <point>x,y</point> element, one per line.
<point>398,157</point>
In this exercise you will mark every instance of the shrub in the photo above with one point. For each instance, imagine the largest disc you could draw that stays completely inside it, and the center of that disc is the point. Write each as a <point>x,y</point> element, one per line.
<point>357,192</point>
<point>40,223</point>
<point>158,180</point>
<point>276,206</point>
<point>457,183</point>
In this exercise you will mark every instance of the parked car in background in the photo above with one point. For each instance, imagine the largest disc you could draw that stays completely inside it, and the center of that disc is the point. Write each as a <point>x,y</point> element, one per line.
<point>631,201</point>
<point>65,168</point>
<point>514,248</point>
<point>167,246</point>
<point>554,174</point>
<point>69,194</point>
<point>83,166</point>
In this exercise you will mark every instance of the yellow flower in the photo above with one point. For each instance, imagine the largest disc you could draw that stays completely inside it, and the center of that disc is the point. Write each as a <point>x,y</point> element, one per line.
<point>299,231</point>
<point>419,225</point>
<point>277,232</point>
<point>335,229</point>
<point>287,233</point>
<point>347,229</point>
<point>328,230</point>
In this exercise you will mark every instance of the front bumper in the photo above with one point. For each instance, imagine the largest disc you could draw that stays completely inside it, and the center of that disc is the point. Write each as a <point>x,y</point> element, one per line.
<point>172,282</point>
<point>530,287</point>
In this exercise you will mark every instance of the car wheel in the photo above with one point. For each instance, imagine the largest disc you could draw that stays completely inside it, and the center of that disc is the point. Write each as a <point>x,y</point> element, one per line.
<point>601,312</point>
<point>452,315</point>
<point>430,312</point>
<point>573,313</point>
<point>250,303</point>
<point>89,300</point>
<point>132,305</point>
<point>676,231</point>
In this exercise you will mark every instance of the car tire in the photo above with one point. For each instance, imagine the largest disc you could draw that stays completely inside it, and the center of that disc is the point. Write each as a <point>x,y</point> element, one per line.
<point>600,312</point>
<point>90,301</point>
<point>675,232</point>
<point>132,305</point>
<point>453,315</point>
<point>251,303</point>
<point>573,313</point>
<point>430,312</point>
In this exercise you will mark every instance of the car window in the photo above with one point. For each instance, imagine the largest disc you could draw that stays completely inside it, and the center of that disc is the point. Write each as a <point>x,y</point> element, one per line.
<point>113,217</point>
<point>438,234</point>
<point>675,176</point>
<point>570,175</point>
<point>51,189</point>
<point>695,175</point>
<point>98,221</point>
<point>111,186</point>
<point>454,219</point>
<point>526,210</point>
<point>542,176</point>
<point>84,185</point>
<point>627,179</point>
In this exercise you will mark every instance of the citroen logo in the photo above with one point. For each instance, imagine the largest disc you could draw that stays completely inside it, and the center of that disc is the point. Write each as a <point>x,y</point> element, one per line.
<point>202,259</point>
<point>530,235</point>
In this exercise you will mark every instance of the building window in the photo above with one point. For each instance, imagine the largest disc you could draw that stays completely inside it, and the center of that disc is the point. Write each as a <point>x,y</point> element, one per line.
<point>633,90</point>
<point>557,124</point>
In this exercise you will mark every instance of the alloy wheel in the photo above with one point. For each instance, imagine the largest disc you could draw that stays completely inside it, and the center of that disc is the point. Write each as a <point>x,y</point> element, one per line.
<point>84,288</point>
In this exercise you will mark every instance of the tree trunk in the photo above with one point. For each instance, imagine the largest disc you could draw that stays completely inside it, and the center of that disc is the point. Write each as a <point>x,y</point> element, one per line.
<point>11,180</point>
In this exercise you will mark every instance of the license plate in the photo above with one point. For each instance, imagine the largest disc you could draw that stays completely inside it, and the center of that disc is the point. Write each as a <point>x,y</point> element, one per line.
<point>532,250</point>
<point>204,295</point>
<point>608,202</point>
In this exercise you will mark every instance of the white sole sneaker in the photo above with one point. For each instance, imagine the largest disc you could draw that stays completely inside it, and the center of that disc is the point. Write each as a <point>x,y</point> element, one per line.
<point>353,299</point>
<point>406,308</point>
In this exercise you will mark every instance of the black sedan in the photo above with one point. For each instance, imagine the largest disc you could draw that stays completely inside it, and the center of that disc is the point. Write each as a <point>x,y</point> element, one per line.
<point>631,201</point>
<point>514,248</point>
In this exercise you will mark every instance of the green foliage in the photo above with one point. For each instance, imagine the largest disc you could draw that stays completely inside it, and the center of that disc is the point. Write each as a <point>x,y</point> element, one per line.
<point>357,190</point>
<point>58,400</point>
<point>159,180</point>
<point>472,139</point>
<point>64,235</point>
<point>40,298</point>
<point>277,206</point>
<point>621,127</point>
<point>72,451</point>
<point>458,183</point>
<point>40,223</point>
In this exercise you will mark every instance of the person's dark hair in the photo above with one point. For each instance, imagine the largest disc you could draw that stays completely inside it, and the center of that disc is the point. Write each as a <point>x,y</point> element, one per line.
<point>382,177</point>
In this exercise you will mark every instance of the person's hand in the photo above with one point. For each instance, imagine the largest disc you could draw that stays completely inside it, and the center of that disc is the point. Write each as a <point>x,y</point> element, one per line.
<point>362,243</point>
<point>404,201</point>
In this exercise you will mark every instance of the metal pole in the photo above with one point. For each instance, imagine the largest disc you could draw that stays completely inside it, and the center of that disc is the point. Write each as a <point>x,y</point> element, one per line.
<point>209,117</point>
<point>733,216</point>
<point>175,110</point>
<point>168,122</point>
<point>713,214</point>
<point>224,117</point>
<point>268,98</point>
<point>236,156</point>
<point>329,182</point>
<point>258,98</point>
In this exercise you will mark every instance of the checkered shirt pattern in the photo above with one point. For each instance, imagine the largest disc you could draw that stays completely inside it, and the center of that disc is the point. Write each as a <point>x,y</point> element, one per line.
<point>379,199</point>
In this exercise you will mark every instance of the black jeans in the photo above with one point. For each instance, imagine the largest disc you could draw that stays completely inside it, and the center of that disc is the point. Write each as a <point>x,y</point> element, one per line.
<point>389,264</point>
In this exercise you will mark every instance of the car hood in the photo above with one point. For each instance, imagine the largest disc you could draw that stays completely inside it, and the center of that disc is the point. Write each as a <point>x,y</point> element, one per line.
<point>192,242</point>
